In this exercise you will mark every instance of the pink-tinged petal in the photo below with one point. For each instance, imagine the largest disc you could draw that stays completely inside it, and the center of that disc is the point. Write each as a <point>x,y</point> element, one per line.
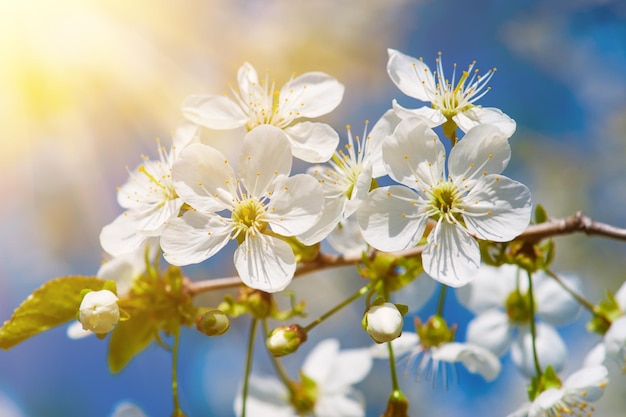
<point>491,330</point>
<point>204,179</point>
<point>311,95</point>
<point>383,128</point>
<point>265,155</point>
<point>497,208</point>
<point>451,255</point>
<point>194,237</point>
<point>431,117</point>
<point>121,235</point>
<point>267,397</point>
<point>556,306</point>
<point>312,142</point>
<point>214,112</point>
<point>414,156</point>
<point>587,383</point>
<point>489,288</point>
<point>390,218</point>
<point>483,150</point>
<point>551,349</point>
<point>485,115</point>
<point>265,263</point>
<point>596,356</point>
<point>476,359</point>
<point>349,403</point>
<point>296,205</point>
<point>410,75</point>
<point>331,215</point>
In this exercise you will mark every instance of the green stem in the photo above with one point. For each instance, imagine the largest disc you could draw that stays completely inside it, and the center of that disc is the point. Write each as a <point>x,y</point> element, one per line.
<point>338,307</point>
<point>442,300</point>
<point>584,302</point>
<point>280,370</point>
<point>177,409</point>
<point>392,367</point>
<point>246,376</point>
<point>533,329</point>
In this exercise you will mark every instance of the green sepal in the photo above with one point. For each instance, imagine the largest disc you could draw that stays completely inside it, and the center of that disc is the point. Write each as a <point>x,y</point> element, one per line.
<point>129,338</point>
<point>110,285</point>
<point>547,380</point>
<point>402,308</point>
<point>541,216</point>
<point>605,312</point>
<point>54,303</point>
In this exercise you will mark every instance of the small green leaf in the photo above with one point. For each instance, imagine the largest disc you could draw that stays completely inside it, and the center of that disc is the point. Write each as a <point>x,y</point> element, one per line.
<point>129,338</point>
<point>540,214</point>
<point>54,303</point>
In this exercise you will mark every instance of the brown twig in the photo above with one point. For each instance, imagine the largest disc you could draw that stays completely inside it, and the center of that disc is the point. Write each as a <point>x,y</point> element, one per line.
<point>576,223</point>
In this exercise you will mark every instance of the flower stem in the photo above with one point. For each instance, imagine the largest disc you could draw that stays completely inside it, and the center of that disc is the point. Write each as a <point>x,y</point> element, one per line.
<point>338,307</point>
<point>280,370</point>
<point>442,300</point>
<point>533,329</point>
<point>584,302</point>
<point>246,377</point>
<point>177,411</point>
<point>392,367</point>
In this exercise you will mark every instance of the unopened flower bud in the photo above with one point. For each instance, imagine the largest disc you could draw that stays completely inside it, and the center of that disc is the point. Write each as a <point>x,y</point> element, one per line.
<point>213,323</point>
<point>99,311</point>
<point>383,322</point>
<point>285,340</point>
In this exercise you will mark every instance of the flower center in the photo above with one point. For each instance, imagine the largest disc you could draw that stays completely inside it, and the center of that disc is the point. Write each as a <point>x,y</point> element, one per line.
<point>434,332</point>
<point>518,307</point>
<point>303,395</point>
<point>445,201</point>
<point>248,218</point>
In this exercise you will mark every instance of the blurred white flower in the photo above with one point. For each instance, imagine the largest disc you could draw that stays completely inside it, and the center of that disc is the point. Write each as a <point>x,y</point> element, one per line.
<point>127,410</point>
<point>263,203</point>
<point>472,200</point>
<point>499,298</point>
<point>449,100</point>
<point>612,349</point>
<point>328,376</point>
<point>309,95</point>
<point>99,312</point>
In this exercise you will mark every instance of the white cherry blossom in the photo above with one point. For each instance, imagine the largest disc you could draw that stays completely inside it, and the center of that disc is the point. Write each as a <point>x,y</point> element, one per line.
<point>333,371</point>
<point>449,99</point>
<point>472,200</point>
<point>99,312</point>
<point>256,208</point>
<point>503,316</point>
<point>257,102</point>
<point>574,397</point>
<point>148,197</point>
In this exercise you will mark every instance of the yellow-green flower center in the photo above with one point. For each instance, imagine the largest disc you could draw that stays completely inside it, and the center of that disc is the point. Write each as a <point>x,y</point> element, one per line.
<point>518,307</point>
<point>434,332</point>
<point>446,201</point>
<point>248,218</point>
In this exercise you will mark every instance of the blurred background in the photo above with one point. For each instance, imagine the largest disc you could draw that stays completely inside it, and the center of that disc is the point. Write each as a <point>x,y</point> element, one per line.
<point>86,87</point>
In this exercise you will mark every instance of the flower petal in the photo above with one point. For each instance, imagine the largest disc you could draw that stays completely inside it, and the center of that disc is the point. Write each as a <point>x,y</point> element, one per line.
<point>348,367</point>
<point>489,288</point>
<point>312,142</point>
<point>497,208</point>
<point>401,345</point>
<point>410,75</point>
<point>311,94</point>
<point>615,340</point>
<point>491,330</point>
<point>265,155</point>
<point>451,255</point>
<point>483,150</point>
<point>327,223</point>
<point>596,356</point>
<point>477,115</point>
<point>349,403</point>
<point>383,128</point>
<point>266,397</point>
<point>587,383</point>
<point>204,179</point>
<point>551,349</point>
<point>414,156</point>
<point>248,81</point>
<point>194,237</point>
<point>390,220</point>
<point>556,306</point>
<point>128,410</point>
<point>296,205</point>
<point>320,360</point>
<point>347,238</point>
<point>476,359</point>
<point>416,293</point>
<point>121,235</point>
<point>431,117</point>
<point>214,111</point>
<point>265,263</point>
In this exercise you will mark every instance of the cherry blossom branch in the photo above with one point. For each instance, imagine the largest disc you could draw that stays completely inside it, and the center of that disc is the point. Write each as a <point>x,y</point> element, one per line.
<point>576,223</point>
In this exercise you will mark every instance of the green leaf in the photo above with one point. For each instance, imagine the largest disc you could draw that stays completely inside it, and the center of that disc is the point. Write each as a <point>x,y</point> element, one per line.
<point>131,337</point>
<point>541,216</point>
<point>54,303</point>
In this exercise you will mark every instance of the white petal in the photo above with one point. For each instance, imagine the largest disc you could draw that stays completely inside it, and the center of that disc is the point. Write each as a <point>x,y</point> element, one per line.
<point>184,135</point>
<point>204,179</point>
<point>121,235</point>
<point>451,256</point>
<point>248,81</point>
<point>491,330</point>
<point>410,75</point>
<point>476,359</point>
<point>296,205</point>
<point>587,382</point>
<point>489,288</point>
<point>347,238</point>
<point>615,340</point>
<point>389,220</point>
<point>383,128</point>
<point>265,263</point>
<point>547,400</point>
<point>312,142</point>
<point>75,331</point>
<point>128,410</point>
<point>194,237</point>
<point>416,294</point>
<point>214,111</point>
<point>327,223</point>
<point>414,156</point>
<point>497,208</point>
<point>267,397</point>
<point>311,95</point>
<point>265,155</point>
<point>348,367</point>
<point>485,115</point>
<point>320,360</point>
<point>551,350</point>
<point>555,305</point>
<point>483,150</point>
<point>402,345</point>
<point>349,403</point>
<point>431,117</point>
<point>596,356</point>
<point>125,268</point>
<point>620,296</point>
